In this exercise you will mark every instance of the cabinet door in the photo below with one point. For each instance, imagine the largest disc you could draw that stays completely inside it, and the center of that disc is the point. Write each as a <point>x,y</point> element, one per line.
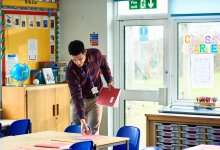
<point>41,109</point>
<point>13,102</point>
<point>62,107</point>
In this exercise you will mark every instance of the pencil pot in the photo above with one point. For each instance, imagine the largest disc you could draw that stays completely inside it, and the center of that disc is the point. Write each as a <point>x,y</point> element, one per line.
<point>37,74</point>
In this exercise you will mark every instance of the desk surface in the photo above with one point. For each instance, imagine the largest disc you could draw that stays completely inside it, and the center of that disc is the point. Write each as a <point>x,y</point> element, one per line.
<point>204,147</point>
<point>29,140</point>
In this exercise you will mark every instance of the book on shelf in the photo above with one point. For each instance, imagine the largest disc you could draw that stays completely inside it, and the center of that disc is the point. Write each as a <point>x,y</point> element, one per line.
<point>48,75</point>
<point>109,97</point>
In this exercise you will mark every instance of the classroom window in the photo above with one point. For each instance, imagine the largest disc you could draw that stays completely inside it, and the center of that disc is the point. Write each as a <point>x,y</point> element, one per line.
<point>198,60</point>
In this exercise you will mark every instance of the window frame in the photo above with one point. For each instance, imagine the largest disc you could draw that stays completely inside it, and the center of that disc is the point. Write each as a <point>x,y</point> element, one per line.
<point>173,96</point>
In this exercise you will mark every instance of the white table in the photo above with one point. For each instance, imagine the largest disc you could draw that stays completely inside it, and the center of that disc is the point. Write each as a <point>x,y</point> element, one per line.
<point>29,140</point>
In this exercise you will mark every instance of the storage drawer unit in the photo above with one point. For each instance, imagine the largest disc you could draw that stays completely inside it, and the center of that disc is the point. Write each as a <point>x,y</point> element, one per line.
<point>180,131</point>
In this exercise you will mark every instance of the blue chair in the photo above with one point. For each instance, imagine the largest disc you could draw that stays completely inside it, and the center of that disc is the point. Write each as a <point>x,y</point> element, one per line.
<point>84,145</point>
<point>1,135</point>
<point>152,148</point>
<point>133,133</point>
<point>75,128</point>
<point>19,127</point>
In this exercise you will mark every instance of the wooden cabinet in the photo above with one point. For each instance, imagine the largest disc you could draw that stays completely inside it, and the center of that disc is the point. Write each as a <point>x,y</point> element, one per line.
<point>180,131</point>
<point>47,106</point>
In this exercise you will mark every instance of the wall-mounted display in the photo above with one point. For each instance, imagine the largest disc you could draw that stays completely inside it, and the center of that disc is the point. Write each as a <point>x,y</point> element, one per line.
<point>41,5</point>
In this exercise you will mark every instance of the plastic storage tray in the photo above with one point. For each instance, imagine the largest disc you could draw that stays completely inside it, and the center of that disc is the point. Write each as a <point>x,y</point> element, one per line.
<point>167,146</point>
<point>192,128</point>
<point>193,142</point>
<point>215,130</point>
<point>161,139</point>
<point>212,142</point>
<point>166,126</point>
<point>211,136</point>
<point>167,133</point>
<point>192,135</point>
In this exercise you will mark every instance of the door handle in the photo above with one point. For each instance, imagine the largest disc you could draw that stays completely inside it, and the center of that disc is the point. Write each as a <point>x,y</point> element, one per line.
<point>53,110</point>
<point>58,109</point>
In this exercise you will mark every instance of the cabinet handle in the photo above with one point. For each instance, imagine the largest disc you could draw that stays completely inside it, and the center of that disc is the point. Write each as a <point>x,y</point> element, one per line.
<point>53,110</point>
<point>57,109</point>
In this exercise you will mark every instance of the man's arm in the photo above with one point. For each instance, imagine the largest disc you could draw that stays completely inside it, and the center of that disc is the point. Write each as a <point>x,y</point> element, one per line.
<point>76,92</point>
<point>106,71</point>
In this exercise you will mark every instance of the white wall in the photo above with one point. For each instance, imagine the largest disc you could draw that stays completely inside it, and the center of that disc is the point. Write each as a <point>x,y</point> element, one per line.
<point>79,19</point>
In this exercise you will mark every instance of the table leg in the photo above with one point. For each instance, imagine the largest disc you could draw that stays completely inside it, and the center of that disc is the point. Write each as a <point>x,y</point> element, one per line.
<point>94,147</point>
<point>127,145</point>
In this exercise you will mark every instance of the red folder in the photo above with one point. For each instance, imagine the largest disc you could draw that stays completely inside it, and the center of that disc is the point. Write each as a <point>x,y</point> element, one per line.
<point>52,144</point>
<point>109,97</point>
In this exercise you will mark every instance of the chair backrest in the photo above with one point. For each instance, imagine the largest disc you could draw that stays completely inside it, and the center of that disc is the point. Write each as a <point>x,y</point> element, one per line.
<point>75,128</point>
<point>133,133</point>
<point>19,127</point>
<point>84,145</point>
<point>1,135</point>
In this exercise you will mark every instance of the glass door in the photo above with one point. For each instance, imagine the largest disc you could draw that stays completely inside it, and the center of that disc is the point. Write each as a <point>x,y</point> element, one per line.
<point>142,71</point>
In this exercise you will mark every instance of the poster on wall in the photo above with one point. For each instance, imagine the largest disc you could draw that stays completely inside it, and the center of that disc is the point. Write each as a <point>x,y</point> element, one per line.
<point>202,68</point>
<point>38,21</point>
<point>52,22</point>
<point>52,53</point>
<point>32,49</point>
<point>45,21</point>
<point>11,60</point>
<point>16,21</point>
<point>94,39</point>
<point>43,5</point>
<point>52,36</point>
<point>8,22</point>
<point>31,21</point>
<point>23,21</point>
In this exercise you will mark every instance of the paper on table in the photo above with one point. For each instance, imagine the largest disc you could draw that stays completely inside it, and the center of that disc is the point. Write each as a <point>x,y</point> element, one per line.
<point>27,148</point>
<point>51,144</point>
<point>89,137</point>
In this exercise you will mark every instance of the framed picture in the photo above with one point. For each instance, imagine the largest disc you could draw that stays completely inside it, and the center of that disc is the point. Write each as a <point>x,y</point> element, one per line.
<point>48,75</point>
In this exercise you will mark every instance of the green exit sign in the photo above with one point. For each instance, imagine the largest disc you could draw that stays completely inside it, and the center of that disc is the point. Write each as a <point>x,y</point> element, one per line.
<point>142,4</point>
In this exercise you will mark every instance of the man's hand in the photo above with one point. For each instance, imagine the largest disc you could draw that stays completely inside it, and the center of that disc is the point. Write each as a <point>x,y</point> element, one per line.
<point>84,128</point>
<point>110,85</point>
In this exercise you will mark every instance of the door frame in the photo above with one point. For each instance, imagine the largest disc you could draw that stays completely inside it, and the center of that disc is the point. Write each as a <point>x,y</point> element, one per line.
<point>119,72</point>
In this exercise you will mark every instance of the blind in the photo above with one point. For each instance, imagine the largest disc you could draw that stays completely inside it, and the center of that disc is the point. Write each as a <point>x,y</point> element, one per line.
<point>190,7</point>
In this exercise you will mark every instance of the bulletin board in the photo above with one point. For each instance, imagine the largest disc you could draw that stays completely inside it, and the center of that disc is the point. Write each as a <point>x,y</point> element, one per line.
<point>23,28</point>
<point>47,5</point>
